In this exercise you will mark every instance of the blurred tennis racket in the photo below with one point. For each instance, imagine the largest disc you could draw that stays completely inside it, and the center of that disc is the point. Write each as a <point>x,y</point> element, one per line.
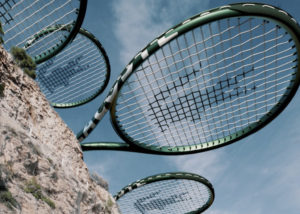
<point>25,21</point>
<point>207,82</point>
<point>76,75</point>
<point>176,193</point>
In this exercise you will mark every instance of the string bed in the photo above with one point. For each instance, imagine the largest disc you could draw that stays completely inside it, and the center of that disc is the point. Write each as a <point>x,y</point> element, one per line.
<point>176,196</point>
<point>75,74</point>
<point>22,20</point>
<point>209,83</point>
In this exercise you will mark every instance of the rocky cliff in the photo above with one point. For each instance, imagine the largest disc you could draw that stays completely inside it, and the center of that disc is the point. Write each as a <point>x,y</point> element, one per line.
<point>41,166</point>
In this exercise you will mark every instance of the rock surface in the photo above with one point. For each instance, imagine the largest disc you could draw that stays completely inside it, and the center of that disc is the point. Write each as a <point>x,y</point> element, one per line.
<point>41,166</point>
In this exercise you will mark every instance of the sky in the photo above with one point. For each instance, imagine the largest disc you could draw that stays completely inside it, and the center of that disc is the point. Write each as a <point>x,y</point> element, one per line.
<point>256,175</point>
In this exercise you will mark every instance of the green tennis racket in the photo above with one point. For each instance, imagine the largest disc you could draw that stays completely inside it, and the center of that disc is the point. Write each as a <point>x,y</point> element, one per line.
<point>76,75</point>
<point>176,193</point>
<point>23,21</point>
<point>205,83</point>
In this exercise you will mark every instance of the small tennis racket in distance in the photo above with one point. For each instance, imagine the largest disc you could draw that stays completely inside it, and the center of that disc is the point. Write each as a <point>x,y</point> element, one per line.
<point>76,75</point>
<point>23,22</point>
<point>205,83</point>
<point>176,193</point>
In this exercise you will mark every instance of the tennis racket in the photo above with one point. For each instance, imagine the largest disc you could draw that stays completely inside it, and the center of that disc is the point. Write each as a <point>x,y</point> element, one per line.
<point>24,21</point>
<point>76,75</point>
<point>205,83</point>
<point>176,193</point>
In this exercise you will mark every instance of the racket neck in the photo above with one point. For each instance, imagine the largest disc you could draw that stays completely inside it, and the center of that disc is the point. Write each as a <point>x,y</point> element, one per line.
<point>90,146</point>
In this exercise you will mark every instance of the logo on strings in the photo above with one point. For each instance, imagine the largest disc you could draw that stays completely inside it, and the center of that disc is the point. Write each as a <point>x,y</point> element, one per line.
<point>52,79</point>
<point>173,102</point>
<point>154,202</point>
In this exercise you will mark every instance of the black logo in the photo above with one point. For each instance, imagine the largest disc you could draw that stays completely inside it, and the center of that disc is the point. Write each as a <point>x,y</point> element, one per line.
<point>5,7</point>
<point>61,75</point>
<point>191,105</point>
<point>153,202</point>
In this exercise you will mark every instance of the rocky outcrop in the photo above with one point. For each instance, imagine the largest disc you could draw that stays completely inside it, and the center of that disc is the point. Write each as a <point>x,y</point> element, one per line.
<point>41,166</point>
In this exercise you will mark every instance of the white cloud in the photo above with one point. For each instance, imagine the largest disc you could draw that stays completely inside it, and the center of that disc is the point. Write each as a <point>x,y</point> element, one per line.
<point>134,26</point>
<point>283,179</point>
<point>209,164</point>
<point>104,168</point>
<point>138,22</point>
<point>216,211</point>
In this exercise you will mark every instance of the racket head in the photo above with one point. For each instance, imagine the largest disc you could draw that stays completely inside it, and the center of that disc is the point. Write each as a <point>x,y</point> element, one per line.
<point>175,123</point>
<point>25,21</point>
<point>176,193</point>
<point>78,74</point>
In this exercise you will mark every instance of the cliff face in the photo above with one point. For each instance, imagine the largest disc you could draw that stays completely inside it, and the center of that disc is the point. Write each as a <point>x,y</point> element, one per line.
<point>41,166</point>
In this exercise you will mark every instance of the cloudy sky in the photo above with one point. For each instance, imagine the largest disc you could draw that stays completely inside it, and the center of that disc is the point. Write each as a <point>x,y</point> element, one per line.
<point>257,175</point>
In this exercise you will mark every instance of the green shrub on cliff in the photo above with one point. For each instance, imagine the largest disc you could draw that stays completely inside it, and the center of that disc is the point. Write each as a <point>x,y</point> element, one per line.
<point>7,199</point>
<point>35,189</point>
<point>24,61</point>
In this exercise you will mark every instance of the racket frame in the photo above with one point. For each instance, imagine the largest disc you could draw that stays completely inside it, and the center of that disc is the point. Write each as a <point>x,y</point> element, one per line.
<point>102,51</point>
<point>170,176</point>
<point>58,48</point>
<point>265,11</point>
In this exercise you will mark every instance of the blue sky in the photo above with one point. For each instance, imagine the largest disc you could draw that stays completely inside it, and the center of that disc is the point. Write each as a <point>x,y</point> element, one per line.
<point>256,175</point>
